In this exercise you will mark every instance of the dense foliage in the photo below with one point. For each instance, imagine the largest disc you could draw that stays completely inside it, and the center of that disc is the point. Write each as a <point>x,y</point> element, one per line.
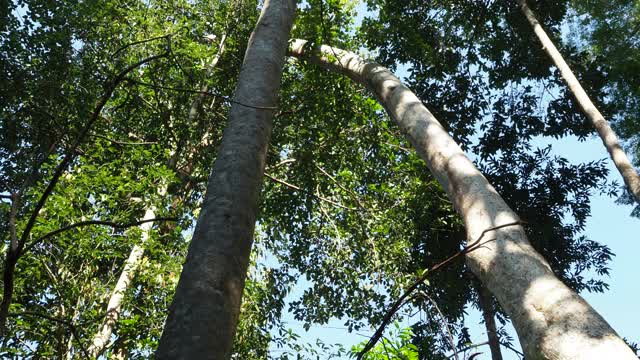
<point>349,217</point>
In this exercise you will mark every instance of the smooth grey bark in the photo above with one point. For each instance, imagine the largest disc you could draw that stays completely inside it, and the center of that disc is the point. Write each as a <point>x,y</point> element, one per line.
<point>489,316</point>
<point>552,321</point>
<point>607,135</point>
<point>203,316</point>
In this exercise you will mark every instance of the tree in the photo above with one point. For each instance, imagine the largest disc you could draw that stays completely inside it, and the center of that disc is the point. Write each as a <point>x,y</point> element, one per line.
<point>506,259</point>
<point>346,204</point>
<point>208,296</point>
<point>608,136</point>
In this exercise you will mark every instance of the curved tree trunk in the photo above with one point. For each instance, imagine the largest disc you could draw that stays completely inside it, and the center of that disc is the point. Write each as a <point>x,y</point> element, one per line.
<point>551,320</point>
<point>608,136</point>
<point>204,314</point>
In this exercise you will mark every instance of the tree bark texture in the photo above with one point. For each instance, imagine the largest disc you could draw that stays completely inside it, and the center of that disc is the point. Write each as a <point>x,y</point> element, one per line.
<point>114,306</point>
<point>204,314</point>
<point>552,321</point>
<point>608,136</point>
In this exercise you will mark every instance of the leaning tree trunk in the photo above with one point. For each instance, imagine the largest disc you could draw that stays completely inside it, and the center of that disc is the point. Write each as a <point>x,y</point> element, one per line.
<point>551,320</point>
<point>608,136</point>
<point>114,306</point>
<point>204,314</point>
<point>102,337</point>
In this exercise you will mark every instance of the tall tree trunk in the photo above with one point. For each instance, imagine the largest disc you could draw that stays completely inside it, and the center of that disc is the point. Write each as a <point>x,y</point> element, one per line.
<point>552,321</point>
<point>608,136</point>
<point>102,337</point>
<point>204,314</point>
<point>489,316</point>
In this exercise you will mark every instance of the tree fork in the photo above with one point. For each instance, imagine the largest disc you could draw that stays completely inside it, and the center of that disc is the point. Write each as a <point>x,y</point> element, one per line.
<point>607,135</point>
<point>552,321</point>
<point>204,314</point>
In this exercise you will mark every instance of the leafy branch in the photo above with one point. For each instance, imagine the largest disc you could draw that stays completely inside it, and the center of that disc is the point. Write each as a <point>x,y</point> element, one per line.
<point>17,245</point>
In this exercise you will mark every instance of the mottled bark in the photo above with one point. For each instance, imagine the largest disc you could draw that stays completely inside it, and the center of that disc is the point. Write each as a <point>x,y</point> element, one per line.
<point>607,135</point>
<point>114,306</point>
<point>204,314</point>
<point>489,316</point>
<point>552,321</point>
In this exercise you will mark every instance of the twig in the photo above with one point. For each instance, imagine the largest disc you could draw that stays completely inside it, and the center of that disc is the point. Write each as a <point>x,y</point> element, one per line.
<point>335,181</point>
<point>512,349</point>
<point>282,182</point>
<point>139,42</point>
<point>472,346</point>
<point>117,142</point>
<point>283,162</point>
<point>398,303</point>
<point>208,93</point>
<point>61,321</point>
<point>92,222</point>
<point>445,323</point>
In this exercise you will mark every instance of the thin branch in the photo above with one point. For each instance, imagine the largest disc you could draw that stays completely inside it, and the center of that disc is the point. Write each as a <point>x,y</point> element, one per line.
<point>472,346</point>
<point>92,222</point>
<point>208,93</point>
<point>350,192</point>
<point>69,324</point>
<point>512,349</point>
<point>117,142</point>
<point>282,182</point>
<point>398,303</point>
<point>283,162</point>
<point>139,42</point>
<point>444,322</point>
<point>110,88</point>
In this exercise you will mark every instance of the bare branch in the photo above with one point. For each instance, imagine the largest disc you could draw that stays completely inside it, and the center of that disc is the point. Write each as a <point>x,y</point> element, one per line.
<point>282,182</point>
<point>92,222</point>
<point>398,303</point>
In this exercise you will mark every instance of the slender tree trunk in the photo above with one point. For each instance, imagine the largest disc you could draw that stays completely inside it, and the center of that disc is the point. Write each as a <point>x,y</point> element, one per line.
<point>552,321</point>
<point>204,314</point>
<point>489,316</point>
<point>608,136</point>
<point>102,337</point>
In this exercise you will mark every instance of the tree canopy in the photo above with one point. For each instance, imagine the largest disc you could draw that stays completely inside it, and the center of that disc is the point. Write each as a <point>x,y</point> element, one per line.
<point>112,109</point>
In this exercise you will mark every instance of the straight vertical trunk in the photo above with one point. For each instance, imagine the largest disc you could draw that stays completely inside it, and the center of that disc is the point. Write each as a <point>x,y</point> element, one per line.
<point>204,314</point>
<point>552,321</point>
<point>608,136</point>
<point>489,316</point>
